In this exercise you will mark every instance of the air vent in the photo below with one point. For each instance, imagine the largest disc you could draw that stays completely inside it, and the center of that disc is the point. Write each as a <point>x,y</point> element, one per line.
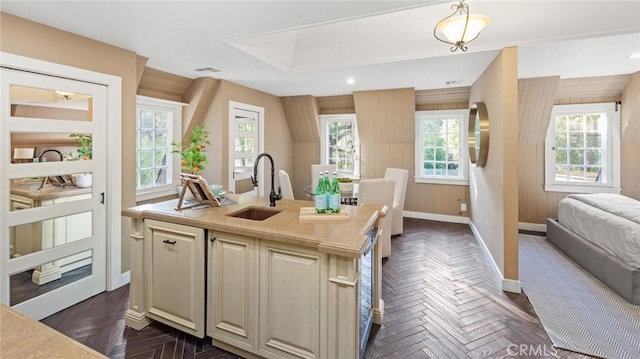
<point>208,69</point>
<point>453,82</point>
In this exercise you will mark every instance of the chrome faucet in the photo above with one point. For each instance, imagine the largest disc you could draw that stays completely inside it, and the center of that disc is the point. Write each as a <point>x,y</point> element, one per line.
<point>49,150</point>
<point>273,197</point>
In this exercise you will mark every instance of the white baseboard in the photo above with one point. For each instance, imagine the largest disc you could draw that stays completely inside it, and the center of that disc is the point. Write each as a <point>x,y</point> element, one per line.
<point>508,285</point>
<point>436,217</point>
<point>125,278</point>
<point>536,227</point>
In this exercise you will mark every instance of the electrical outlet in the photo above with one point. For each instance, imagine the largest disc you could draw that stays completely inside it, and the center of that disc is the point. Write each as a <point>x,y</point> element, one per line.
<point>463,207</point>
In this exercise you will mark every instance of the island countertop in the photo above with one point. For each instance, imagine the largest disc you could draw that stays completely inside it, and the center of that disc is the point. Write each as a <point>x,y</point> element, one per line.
<point>31,189</point>
<point>23,337</point>
<point>345,238</point>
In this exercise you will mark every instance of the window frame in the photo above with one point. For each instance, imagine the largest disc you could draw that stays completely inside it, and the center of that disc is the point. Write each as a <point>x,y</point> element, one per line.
<point>174,134</point>
<point>324,148</point>
<point>612,150</point>
<point>463,168</point>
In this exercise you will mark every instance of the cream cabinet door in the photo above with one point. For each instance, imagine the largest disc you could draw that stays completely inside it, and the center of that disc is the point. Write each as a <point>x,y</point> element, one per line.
<point>292,301</point>
<point>25,238</point>
<point>174,260</point>
<point>232,290</point>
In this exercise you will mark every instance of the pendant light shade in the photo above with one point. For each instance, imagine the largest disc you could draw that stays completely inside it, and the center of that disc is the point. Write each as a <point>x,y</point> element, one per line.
<point>460,29</point>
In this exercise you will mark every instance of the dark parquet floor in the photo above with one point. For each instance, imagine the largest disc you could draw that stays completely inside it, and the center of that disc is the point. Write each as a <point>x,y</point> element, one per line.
<point>23,288</point>
<point>442,300</point>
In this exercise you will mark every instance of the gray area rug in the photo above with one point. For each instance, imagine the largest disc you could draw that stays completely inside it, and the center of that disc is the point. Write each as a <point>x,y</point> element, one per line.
<point>578,312</point>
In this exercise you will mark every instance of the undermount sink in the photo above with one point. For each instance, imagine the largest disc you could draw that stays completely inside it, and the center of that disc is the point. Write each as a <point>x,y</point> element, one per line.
<point>255,213</point>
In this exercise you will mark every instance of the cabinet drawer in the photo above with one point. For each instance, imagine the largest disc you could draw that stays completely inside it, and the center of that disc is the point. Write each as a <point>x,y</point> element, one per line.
<point>174,261</point>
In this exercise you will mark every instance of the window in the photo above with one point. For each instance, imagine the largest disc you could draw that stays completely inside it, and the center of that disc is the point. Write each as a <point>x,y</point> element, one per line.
<point>441,155</point>
<point>158,122</point>
<point>582,149</point>
<point>340,144</point>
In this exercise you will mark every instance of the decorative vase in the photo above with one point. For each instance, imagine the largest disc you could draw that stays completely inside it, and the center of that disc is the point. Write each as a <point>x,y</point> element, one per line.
<point>83,180</point>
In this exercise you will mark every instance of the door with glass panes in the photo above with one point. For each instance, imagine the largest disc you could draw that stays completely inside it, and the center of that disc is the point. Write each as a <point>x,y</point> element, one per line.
<point>53,182</point>
<point>245,144</point>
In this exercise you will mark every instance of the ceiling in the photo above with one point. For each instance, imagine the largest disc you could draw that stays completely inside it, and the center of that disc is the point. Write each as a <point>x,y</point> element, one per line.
<point>311,47</point>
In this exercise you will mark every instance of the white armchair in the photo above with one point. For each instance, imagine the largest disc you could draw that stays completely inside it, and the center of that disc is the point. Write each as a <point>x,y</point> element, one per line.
<point>401,176</point>
<point>285,185</point>
<point>380,191</point>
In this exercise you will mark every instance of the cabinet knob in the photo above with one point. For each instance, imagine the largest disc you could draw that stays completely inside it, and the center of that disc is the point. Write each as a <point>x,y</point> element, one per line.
<point>168,241</point>
<point>212,239</point>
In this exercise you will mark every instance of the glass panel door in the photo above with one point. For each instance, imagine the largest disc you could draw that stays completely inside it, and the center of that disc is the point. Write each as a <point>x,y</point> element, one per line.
<point>52,185</point>
<point>244,139</point>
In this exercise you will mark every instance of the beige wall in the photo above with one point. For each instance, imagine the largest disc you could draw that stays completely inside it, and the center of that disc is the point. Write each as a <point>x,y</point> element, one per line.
<point>494,188</point>
<point>278,142</point>
<point>26,38</point>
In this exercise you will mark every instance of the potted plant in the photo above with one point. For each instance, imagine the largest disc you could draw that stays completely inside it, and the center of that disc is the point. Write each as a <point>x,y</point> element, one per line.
<point>192,156</point>
<point>83,152</point>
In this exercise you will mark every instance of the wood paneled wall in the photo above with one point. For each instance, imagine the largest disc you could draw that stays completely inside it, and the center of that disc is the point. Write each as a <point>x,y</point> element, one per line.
<point>160,84</point>
<point>535,102</point>
<point>456,98</point>
<point>199,96</point>
<point>141,65</point>
<point>629,121</point>
<point>302,118</point>
<point>535,97</point>
<point>336,105</point>
<point>386,128</point>
<point>591,89</point>
<point>49,112</point>
<point>630,135</point>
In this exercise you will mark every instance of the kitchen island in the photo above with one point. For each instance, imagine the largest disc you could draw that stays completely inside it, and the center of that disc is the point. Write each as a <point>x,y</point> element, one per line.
<point>257,279</point>
<point>37,236</point>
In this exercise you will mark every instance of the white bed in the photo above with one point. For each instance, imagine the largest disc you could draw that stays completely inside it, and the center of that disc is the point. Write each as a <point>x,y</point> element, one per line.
<point>610,221</point>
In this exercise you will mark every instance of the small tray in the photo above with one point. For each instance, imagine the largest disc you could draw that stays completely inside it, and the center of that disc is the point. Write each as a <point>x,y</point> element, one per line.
<point>309,214</point>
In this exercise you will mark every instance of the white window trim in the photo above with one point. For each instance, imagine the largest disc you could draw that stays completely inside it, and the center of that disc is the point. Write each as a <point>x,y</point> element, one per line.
<point>175,135</point>
<point>324,149</point>
<point>612,149</point>
<point>464,154</point>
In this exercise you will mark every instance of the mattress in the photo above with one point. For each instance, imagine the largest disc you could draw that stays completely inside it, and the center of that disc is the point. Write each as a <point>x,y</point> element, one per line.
<point>615,234</point>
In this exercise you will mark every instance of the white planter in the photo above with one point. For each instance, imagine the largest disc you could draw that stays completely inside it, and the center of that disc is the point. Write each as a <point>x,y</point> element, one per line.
<point>83,180</point>
<point>345,186</point>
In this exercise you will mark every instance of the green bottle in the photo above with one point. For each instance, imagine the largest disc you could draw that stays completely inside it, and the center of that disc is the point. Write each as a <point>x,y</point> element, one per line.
<point>327,189</point>
<point>334,195</point>
<point>321,195</point>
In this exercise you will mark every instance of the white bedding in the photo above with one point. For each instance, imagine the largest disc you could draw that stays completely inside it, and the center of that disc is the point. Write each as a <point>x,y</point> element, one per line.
<point>615,234</point>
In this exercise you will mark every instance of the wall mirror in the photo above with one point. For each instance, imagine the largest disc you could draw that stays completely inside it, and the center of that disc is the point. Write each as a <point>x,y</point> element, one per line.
<point>478,134</point>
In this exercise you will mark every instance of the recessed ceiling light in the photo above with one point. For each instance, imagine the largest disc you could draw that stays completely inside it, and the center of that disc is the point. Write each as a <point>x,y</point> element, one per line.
<point>351,81</point>
<point>635,56</point>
